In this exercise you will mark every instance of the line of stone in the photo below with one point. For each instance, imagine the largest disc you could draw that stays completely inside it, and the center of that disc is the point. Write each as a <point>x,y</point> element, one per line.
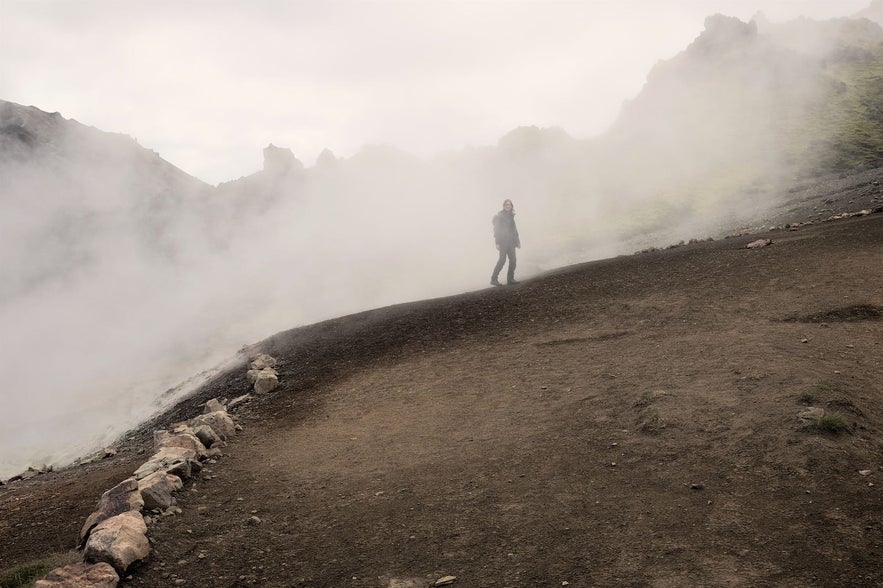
<point>114,536</point>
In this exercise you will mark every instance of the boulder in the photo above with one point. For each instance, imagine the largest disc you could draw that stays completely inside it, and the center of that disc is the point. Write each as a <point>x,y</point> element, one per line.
<point>119,541</point>
<point>213,406</point>
<point>263,361</point>
<point>206,435</point>
<point>157,488</point>
<point>219,421</point>
<point>121,498</point>
<point>173,460</point>
<point>267,381</point>
<point>81,575</point>
<point>759,243</point>
<point>185,439</point>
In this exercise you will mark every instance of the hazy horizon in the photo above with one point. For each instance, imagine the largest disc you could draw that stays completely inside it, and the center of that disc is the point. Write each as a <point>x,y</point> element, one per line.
<point>208,85</point>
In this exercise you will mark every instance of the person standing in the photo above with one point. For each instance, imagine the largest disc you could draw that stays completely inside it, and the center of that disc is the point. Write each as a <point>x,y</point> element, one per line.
<point>507,241</point>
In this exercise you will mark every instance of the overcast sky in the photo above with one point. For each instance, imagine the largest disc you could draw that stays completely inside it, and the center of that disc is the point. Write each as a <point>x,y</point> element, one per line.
<point>209,84</point>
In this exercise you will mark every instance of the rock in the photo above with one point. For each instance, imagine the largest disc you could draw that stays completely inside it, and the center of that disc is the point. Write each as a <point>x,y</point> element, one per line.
<point>263,361</point>
<point>109,452</point>
<point>206,435</point>
<point>267,381</point>
<point>119,541</point>
<point>239,400</point>
<point>157,488</point>
<point>173,460</point>
<point>445,581</point>
<point>81,575</point>
<point>187,440</point>
<point>864,472</point>
<point>254,520</point>
<point>213,405</point>
<point>220,422</point>
<point>696,486</point>
<point>252,376</point>
<point>121,498</point>
<point>811,413</point>
<point>759,243</point>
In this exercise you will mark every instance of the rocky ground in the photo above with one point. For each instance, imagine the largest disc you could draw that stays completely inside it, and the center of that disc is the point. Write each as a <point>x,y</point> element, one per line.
<point>627,422</point>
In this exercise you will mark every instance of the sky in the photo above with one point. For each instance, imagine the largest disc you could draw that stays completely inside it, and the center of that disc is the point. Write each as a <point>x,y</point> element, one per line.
<point>208,85</point>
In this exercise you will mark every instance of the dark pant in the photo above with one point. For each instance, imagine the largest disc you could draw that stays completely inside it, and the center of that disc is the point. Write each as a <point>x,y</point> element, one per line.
<point>505,251</point>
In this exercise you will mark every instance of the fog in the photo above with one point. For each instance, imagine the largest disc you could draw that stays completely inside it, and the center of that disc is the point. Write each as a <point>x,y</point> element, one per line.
<point>127,281</point>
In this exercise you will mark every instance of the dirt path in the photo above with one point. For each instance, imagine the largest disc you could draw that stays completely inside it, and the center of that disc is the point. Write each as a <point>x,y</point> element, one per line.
<point>628,422</point>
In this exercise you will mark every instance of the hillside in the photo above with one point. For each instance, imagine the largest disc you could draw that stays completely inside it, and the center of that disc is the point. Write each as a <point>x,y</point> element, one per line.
<point>629,421</point>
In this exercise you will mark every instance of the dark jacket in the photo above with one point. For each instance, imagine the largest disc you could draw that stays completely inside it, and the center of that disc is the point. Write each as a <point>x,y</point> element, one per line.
<point>505,231</point>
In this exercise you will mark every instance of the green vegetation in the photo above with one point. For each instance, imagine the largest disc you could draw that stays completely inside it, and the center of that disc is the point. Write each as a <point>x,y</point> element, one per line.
<point>645,399</point>
<point>827,388</point>
<point>26,574</point>
<point>807,398</point>
<point>652,421</point>
<point>831,422</point>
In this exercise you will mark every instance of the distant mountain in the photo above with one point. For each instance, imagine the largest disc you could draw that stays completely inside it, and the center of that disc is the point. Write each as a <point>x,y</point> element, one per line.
<point>66,184</point>
<point>743,111</point>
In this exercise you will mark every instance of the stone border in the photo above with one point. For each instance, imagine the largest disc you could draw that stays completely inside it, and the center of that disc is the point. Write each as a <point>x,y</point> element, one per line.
<point>114,536</point>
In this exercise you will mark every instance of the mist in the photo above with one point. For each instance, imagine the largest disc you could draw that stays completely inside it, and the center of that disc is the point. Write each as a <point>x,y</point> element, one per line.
<point>127,281</point>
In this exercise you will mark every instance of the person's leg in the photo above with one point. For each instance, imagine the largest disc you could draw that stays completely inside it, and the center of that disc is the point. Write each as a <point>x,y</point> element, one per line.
<point>500,261</point>
<point>510,275</point>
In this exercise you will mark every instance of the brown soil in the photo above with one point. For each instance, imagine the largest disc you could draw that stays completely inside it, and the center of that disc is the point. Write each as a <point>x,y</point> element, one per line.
<point>626,422</point>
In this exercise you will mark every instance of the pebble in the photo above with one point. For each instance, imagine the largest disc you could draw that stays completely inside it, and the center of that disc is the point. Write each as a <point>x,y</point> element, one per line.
<point>254,521</point>
<point>865,472</point>
<point>696,486</point>
<point>445,581</point>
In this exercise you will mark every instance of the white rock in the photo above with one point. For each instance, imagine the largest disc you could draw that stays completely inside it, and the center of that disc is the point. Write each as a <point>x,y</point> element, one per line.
<point>263,361</point>
<point>267,381</point>
<point>81,575</point>
<point>213,405</point>
<point>121,498</point>
<point>157,488</point>
<point>119,541</point>
<point>185,439</point>
<point>219,421</point>
<point>173,460</point>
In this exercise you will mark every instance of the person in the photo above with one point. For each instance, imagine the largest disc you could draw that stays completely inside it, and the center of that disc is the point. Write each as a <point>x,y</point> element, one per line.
<point>507,241</point>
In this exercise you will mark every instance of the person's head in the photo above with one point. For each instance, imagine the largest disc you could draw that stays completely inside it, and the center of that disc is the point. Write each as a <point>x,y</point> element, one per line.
<point>507,205</point>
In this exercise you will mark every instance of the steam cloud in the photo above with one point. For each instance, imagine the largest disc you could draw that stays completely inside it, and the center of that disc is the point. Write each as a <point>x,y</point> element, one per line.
<point>123,277</point>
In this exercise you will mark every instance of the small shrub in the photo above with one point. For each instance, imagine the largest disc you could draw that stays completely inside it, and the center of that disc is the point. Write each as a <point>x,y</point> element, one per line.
<point>26,574</point>
<point>807,398</point>
<point>824,388</point>
<point>831,422</point>
<point>652,422</point>
<point>645,399</point>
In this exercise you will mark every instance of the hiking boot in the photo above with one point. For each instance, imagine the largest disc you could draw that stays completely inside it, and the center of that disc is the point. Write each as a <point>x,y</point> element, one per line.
<point>512,282</point>
<point>495,282</point>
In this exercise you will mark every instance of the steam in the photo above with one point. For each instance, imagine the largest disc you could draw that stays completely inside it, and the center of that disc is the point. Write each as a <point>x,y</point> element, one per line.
<point>124,277</point>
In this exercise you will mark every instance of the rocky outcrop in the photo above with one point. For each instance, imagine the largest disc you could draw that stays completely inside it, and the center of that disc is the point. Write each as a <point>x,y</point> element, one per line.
<point>81,575</point>
<point>280,160</point>
<point>119,541</point>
